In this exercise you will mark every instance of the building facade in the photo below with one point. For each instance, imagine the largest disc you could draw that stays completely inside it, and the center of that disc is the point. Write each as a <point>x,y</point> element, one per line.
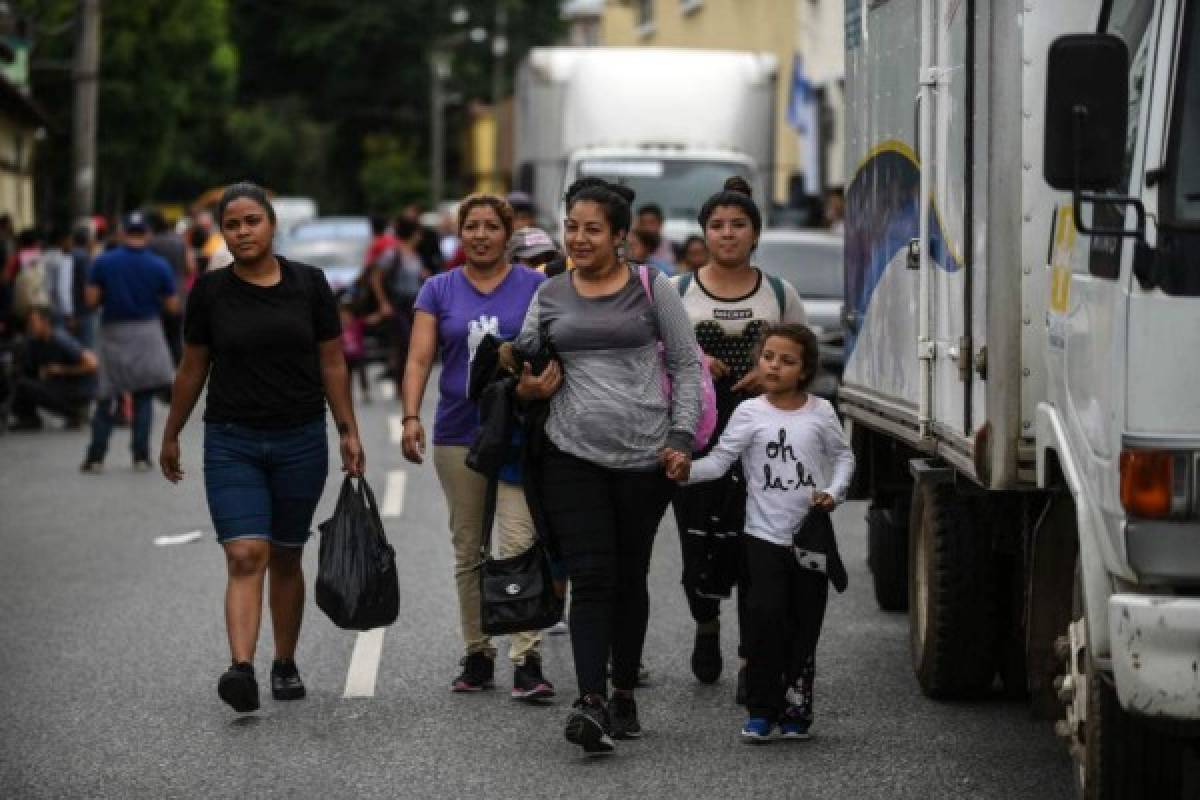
<point>20,122</point>
<point>806,36</point>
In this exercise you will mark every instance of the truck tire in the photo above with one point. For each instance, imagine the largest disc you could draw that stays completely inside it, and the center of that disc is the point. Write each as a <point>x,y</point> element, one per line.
<point>887,556</point>
<point>1120,756</point>
<point>952,604</point>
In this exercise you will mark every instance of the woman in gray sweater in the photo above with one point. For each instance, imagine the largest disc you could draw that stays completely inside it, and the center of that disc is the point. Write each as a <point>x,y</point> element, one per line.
<point>610,424</point>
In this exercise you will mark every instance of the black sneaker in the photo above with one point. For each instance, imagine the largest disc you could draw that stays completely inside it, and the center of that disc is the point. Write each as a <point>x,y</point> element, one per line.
<point>742,694</point>
<point>285,680</point>
<point>238,688</point>
<point>623,710</point>
<point>706,656</point>
<point>588,726</point>
<point>528,681</point>
<point>476,674</point>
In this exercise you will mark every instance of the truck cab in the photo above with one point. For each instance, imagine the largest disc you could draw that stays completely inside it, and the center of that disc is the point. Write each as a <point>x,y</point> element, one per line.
<point>1120,424</point>
<point>1021,380</point>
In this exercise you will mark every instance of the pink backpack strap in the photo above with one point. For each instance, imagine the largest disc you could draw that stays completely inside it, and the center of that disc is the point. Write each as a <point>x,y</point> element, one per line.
<point>644,275</point>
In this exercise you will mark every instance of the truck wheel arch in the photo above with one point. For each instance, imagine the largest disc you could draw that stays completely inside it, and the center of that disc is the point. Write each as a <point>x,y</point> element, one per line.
<point>1054,459</point>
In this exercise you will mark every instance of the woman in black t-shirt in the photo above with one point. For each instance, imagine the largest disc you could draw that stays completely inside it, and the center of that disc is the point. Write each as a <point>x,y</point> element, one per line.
<point>265,335</point>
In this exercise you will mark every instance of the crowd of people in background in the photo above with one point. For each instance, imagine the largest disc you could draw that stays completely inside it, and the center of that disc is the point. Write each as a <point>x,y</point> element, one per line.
<point>70,300</point>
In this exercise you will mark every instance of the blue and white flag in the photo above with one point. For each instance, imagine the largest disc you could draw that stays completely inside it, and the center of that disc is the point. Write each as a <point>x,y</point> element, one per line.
<point>802,116</point>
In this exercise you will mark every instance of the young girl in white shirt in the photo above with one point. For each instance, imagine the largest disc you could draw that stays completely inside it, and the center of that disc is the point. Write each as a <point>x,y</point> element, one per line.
<point>796,461</point>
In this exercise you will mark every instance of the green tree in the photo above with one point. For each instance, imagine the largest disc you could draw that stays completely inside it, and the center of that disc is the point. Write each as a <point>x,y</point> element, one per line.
<point>168,70</point>
<point>391,175</point>
<point>278,145</point>
<point>364,69</point>
<point>328,98</point>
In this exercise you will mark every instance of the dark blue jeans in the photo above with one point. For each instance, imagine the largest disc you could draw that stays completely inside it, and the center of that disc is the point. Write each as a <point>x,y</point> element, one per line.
<point>264,484</point>
<point>102,425</point>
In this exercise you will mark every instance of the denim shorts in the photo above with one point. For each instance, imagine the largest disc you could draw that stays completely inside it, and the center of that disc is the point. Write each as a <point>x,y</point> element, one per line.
<point>264,484</point>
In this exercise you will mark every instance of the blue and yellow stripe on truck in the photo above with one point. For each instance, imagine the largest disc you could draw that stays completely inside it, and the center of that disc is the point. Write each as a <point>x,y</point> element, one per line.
<point>881,219</point>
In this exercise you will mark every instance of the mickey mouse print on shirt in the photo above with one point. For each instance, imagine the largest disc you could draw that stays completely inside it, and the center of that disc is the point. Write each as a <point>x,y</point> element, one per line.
<point>735,350</point>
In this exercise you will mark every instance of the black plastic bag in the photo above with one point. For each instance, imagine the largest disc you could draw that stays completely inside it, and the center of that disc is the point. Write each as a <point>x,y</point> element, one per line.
<point>357,586</point>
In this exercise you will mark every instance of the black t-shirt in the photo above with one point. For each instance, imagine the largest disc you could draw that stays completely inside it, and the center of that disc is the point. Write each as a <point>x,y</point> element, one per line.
<point>263,344</point>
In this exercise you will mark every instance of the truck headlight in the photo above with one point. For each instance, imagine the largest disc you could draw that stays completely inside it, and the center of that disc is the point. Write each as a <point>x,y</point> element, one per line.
<point>1157,484</point>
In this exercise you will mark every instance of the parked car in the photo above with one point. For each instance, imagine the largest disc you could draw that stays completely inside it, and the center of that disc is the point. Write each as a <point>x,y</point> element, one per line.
<point>337,245</point>
<point>290,211</point>
<point>811,260</point>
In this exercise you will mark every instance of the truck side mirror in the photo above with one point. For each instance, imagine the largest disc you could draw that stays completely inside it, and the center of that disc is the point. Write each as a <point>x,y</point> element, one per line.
<point>1087,100</point>
<point>1087,109</point>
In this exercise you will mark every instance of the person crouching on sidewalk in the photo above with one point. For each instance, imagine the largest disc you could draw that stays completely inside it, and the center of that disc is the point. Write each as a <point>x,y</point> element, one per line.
<point>797,464</point>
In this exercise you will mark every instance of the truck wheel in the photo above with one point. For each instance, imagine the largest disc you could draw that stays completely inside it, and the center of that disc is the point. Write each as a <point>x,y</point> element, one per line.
<point>952,607</point>
<point>887,556</point>
<point>1117,756</point>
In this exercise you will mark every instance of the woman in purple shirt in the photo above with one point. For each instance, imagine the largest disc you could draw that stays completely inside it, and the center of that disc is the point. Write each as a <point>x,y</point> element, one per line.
<point>455,310</point>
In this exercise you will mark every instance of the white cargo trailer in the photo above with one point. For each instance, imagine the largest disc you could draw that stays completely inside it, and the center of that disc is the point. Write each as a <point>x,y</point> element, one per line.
<point>1022,376</point>
<point>672,124</point>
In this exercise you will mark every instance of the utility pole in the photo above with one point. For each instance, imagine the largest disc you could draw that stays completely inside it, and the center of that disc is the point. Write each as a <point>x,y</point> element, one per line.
<point>86,76</point>
<point>499,51</point>
<point>439,70</point>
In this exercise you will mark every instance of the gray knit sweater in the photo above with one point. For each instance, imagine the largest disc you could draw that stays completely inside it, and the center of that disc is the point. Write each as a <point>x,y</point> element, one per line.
<point>610,409</point>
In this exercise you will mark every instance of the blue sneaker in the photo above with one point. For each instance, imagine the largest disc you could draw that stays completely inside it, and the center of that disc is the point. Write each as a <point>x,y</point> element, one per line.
<point>794,724</point>
<point>757,730</point>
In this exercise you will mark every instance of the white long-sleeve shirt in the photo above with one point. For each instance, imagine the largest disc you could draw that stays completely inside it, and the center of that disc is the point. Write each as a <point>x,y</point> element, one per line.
<point>787,456</point>
<point>59,272</point>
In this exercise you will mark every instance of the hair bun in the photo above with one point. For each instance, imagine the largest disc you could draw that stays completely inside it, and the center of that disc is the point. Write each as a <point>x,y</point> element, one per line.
<point>739,184</point>
<point>623,192</point>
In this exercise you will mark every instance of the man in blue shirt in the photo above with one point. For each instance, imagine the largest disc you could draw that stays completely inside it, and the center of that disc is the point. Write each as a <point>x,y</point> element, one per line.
<point>133,286</point>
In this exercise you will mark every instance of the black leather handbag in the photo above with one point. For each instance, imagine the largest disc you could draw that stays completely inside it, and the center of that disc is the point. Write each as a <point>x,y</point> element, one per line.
<point>517,594</point>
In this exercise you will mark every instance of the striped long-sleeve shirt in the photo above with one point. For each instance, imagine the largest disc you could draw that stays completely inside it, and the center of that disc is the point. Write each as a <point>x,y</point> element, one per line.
<point>611,409</point>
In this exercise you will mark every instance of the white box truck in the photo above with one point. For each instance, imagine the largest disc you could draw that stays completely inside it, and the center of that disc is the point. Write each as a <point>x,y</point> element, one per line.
<point>671,124</point>
<point>1022,378</point>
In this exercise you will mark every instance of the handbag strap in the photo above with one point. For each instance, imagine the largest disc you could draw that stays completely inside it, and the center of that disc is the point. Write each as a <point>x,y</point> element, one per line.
<point>489,518</point>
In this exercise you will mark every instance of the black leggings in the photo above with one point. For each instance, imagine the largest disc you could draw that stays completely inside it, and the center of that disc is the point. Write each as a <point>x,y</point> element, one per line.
<point>784,613</point>
<point>604,521</point>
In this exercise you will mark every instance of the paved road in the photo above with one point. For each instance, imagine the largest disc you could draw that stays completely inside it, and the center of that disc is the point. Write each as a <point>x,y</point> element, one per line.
<point>110,648</point>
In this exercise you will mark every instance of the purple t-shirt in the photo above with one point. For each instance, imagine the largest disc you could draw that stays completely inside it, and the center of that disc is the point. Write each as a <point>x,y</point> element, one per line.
<point>464,316</point>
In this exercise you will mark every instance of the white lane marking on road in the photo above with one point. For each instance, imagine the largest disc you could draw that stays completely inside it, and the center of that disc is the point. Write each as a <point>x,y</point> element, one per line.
<point>396,428</point>
<point>364,664</point>
<point>179,538</point>
<point>393,495</point>
<point>387,390</point>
